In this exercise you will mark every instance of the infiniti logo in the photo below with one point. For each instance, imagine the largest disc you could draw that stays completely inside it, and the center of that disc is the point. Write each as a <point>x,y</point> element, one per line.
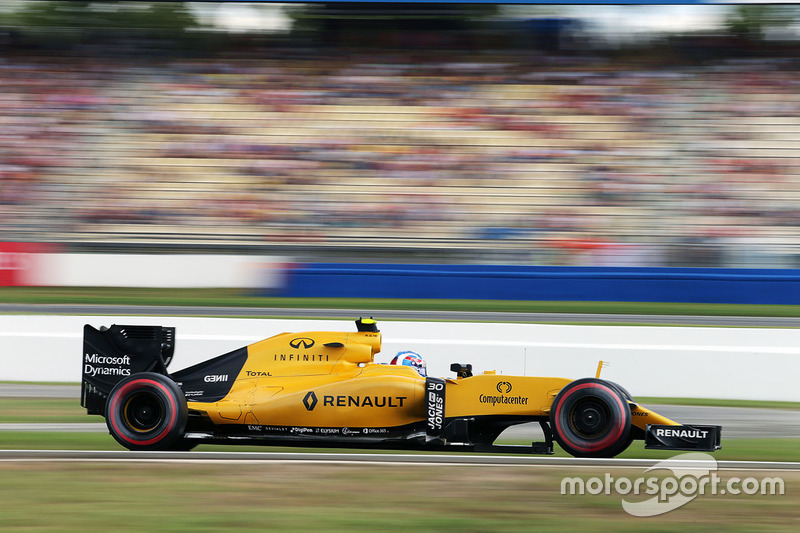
<point>305,342</point>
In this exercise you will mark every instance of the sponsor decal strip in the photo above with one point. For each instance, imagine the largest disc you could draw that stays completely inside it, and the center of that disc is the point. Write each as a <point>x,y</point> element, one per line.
<point>435,400</point>
<point>319,431</point>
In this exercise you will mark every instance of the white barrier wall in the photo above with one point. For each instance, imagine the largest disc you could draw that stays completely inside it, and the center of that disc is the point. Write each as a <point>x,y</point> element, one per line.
<point>736,363</point>
<point>155,270</point>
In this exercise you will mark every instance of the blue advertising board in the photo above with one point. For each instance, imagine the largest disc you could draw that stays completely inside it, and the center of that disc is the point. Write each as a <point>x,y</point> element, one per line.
<point>507,282</point>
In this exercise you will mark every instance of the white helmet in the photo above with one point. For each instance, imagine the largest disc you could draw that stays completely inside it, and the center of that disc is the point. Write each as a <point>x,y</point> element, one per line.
<point>412,359</point>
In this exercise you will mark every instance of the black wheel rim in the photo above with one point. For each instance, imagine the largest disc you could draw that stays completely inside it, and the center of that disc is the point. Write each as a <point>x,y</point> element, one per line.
<point>590,418</point>
<point>143,412</point>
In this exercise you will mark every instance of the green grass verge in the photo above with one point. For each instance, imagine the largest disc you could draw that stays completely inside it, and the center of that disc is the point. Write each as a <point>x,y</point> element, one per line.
<point>346,498</point>
<point>52,440</point>
<point>233,298</point>
<point>710,402</point>
<point>44,411</point>
<point>732,450</point>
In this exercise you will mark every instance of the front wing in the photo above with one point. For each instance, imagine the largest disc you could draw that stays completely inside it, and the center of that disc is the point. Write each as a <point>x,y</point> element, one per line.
<point>694,437</point>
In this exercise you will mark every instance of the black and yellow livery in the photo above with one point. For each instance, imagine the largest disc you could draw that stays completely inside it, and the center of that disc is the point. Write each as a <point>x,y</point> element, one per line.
<point>323,388</point>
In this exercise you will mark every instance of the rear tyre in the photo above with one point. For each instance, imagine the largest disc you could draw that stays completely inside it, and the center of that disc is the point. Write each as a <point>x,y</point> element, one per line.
<point>147,411</point>
<point>591,418</point>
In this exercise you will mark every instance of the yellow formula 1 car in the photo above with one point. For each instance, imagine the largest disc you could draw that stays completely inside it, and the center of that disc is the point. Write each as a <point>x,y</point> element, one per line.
<point>323,388</point>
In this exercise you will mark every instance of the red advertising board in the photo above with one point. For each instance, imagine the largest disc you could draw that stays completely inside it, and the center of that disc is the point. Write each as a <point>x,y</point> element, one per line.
<point>17,262</point>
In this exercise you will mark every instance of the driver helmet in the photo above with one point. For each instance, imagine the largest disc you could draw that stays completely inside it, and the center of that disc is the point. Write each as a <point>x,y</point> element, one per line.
<point>412,359</point>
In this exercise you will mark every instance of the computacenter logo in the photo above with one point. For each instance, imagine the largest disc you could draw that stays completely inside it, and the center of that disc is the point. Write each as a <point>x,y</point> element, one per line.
<point>693,474</point>
<point>504,387</point>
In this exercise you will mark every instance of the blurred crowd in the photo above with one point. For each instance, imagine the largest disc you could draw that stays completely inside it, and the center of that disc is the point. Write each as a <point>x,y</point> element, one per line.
<point>510,156</point>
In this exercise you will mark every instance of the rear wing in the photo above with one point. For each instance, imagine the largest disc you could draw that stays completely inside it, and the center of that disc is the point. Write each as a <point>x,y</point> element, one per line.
<point>112,354</point>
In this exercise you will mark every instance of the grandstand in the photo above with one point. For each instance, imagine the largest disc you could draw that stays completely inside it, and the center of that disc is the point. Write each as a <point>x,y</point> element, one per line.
<point>586,161</point>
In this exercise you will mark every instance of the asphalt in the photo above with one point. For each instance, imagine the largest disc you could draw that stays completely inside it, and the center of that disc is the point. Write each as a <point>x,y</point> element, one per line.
<point>387,314</point>
<point>372,458</point>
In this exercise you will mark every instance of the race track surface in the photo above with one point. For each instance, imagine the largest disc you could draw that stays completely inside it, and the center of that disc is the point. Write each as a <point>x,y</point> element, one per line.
<point>461,316</point>
<point>372,458</point>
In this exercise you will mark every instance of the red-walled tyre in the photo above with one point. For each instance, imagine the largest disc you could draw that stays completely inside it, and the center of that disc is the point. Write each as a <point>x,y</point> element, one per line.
<point>627,396</point>
<point>147,411</point>
<point>591,418</point>
<point>620,389</point>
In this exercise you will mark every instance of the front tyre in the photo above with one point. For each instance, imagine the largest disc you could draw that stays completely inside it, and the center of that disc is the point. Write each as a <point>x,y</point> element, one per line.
<point>591,418</point>
<point>147,411</point>
<point>627,396</point>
